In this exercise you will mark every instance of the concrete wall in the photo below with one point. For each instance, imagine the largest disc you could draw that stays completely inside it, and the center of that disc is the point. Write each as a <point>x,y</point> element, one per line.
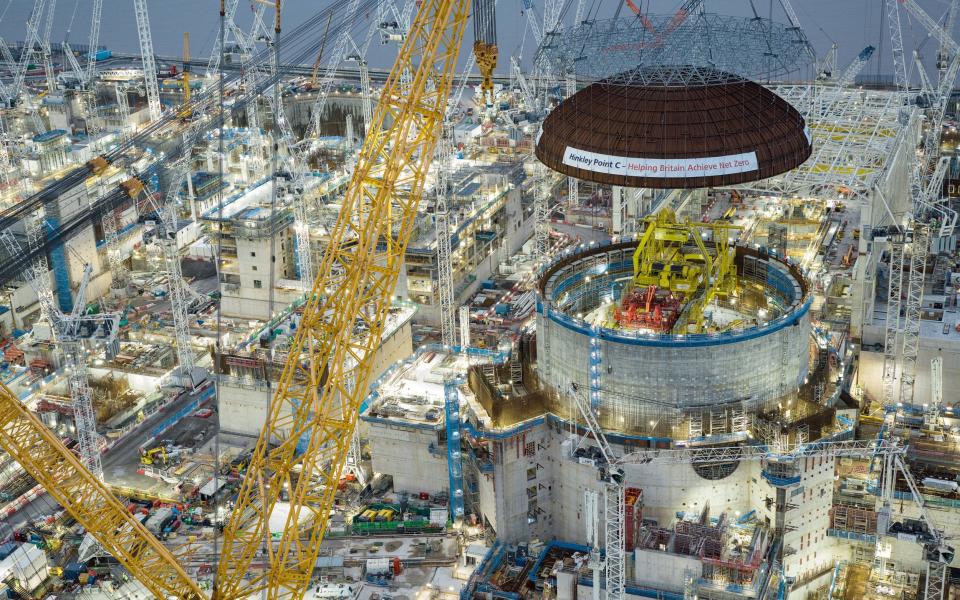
<point>636,378</point>
<point>243,407</point>
<point>515,232</point>
<point>243,404</point>
<point>662,570</point>
<point>404,453</point>
<point>667,489</point>
<point>516,498</point>
<point>870,373</point>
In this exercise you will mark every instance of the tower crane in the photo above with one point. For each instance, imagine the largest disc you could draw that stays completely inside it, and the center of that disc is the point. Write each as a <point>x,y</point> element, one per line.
<point>612,473</point>
<point>925,189</point>
<point>111,233</point>
<point>303,445</point>
<point>147,58</point>
<point>229,32</point>
<point>937,553</point>
<point>614,519</point>
<point>944,53</point>
<point>70,332</point>
<point>366,102</point>
<point>337,56</point>
<point>380,204</point>
<point>167,221</point>
<point>78,72</point>
<point>448,328</point>
<point>30,42</point>
<point>96,9</point>
<point>936,392</point>
<point>47,50</point>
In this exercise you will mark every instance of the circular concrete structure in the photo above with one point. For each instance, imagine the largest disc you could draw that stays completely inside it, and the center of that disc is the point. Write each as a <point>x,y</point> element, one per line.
<point>673,127</point>
<point>638,377</point>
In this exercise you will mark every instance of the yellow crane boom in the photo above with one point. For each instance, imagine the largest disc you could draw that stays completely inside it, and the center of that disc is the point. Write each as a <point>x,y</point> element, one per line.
<point>187,110</point>
<point>304,443</point>
<point>90,502</point>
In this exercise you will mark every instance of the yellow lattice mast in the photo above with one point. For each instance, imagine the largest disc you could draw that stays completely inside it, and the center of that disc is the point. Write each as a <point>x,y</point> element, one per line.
<point>90,502</point>
<point>304,444</point>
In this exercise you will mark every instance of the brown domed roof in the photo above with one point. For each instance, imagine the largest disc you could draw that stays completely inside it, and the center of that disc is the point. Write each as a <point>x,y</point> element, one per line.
<point>674,127</point>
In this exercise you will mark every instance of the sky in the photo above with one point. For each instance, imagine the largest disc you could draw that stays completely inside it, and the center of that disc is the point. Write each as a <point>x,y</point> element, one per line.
<point>852,24</point>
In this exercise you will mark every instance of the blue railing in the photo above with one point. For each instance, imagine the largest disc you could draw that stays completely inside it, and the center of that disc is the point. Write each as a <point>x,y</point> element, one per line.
<point>454,457</point>
<point>780,481</point>
<point>188,408</point>
<point>849,535</point>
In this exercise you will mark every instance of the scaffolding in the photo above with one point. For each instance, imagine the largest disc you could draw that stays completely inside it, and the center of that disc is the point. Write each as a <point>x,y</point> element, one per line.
<point>856,135</point>
<point>600,48</point>
<point>717,544</point>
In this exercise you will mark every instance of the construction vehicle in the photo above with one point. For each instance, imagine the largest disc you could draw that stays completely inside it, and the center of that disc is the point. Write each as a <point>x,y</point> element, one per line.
<point>154,455</point>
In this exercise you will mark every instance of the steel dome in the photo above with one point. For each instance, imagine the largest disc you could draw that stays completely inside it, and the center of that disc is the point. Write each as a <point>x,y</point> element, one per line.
<point>673,127</point>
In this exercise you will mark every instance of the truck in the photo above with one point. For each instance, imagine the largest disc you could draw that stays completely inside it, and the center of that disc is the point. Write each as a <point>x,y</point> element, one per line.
<point>159,519</point>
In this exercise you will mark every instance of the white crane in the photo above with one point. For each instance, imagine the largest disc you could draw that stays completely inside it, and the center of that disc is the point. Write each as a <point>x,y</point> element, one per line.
<point>325,84</point>
<point>366,91</point>
<point>72,333</point>
<point>148,59</point>
<point>47,50</point>
<point>95,11</point>
<point>229,33</point>
<point>896,44</point>
<point>167,226</point>
<point>936,392</point>
<point>614,518</point>
<point>111,234</point>
<point>31,42</point>
<point>937,553</point>
<point>448,328</point>
<point>926,187</point>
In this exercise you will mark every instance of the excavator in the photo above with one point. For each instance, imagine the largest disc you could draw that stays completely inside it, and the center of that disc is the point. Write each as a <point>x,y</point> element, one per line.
<point>158,455</point>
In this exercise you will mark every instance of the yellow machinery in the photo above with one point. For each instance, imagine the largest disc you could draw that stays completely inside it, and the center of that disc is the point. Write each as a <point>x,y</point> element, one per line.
<point>485,45</point>
<point>187,111</point>
<point>304,443</point>
<point>674,256</point>
<point>153,455</point>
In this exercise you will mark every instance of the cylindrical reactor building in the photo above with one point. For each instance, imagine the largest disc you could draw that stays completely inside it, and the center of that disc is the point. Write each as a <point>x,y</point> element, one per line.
<point>645,380</point>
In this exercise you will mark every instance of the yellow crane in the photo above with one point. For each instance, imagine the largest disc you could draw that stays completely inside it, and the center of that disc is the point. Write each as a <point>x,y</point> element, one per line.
<point>187,110</point>
<point>304,443</point>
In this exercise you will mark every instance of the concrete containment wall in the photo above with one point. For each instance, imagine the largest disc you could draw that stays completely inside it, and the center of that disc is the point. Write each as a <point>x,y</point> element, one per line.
<point>642,377</point>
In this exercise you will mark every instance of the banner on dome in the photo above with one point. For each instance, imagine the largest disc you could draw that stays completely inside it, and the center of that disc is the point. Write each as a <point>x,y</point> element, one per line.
<point>664,168</point>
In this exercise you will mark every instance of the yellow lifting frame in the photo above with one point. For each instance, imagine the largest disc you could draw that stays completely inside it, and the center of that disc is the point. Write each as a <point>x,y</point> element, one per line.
<point>662,241</point>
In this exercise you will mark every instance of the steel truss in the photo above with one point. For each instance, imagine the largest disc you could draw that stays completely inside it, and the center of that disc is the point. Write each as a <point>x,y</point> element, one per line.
<point>754,48</point>
<point>855,135</point>
<point>148,58</point>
